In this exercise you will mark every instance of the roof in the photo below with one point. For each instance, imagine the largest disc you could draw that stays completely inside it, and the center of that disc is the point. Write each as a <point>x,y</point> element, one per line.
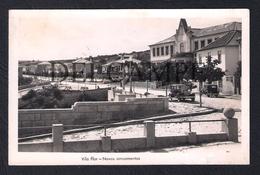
<point>223,41</point>
<point>110,63</point>
<point>83,61</point>
<point>167,40</point>
<point>45,63</point>
<point>184,23</point>
<point>128,60</point>
<point>216,29</point>
<point>199,32</point>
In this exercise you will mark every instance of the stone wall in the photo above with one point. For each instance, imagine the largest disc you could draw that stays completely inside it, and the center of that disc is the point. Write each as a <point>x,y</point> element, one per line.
<point>151,85</point>
<point>93,94</point>
<point>83,113</point>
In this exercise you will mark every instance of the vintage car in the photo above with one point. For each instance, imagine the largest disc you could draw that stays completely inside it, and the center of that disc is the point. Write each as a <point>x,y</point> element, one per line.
<point>211,90</point>
<point>182,92</point>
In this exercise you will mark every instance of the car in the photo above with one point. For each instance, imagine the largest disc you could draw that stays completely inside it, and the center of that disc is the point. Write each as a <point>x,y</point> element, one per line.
<point>211,90</point>
<point>182,92</point>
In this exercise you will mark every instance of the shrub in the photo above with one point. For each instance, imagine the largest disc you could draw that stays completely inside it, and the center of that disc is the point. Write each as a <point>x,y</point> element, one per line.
<point>57,93</point>
<point>29,95</point>
<point>24,80</point>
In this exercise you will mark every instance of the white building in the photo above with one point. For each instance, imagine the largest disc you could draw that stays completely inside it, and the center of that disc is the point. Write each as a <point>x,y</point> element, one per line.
<point>189,44</point>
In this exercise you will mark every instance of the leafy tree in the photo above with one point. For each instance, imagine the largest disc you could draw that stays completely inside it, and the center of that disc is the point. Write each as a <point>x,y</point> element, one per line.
<point>29,95</point>
<point>24,81</point>
<point>208,72</point>
<point>48,97</point>
<point>57,93</point>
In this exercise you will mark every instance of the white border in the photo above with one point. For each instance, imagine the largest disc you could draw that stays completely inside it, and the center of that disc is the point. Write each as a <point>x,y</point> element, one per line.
<point>22,158</point>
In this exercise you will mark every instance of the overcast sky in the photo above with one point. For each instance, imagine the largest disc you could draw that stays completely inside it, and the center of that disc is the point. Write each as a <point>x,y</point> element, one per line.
<point>67,34</point>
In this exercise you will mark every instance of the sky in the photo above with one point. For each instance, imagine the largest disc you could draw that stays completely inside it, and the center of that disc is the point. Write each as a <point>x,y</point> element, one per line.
<point>67,34</point>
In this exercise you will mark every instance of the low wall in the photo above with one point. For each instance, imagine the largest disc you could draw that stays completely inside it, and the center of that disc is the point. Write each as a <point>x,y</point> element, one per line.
<point>151,85</point>
<point>83,113</point>
<point>119,95</point>
<point>148,141</point>
<point>124,144</point>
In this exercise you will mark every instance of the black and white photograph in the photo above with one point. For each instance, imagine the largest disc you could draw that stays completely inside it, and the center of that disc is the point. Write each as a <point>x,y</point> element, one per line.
<point>129,87</point>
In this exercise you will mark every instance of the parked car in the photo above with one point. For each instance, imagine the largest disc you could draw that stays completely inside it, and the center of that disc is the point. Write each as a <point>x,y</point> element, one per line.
<point>211,90</point>
<point>182,92</point>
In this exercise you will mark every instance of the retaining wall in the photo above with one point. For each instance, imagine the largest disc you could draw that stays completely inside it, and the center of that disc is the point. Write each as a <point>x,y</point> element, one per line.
<point>83,113</point>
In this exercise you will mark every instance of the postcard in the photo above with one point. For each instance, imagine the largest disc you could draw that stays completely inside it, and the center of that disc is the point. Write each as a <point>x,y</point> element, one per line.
<point>129,87</point>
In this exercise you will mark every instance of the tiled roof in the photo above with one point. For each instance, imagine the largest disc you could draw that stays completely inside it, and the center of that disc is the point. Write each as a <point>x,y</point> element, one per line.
<point>223,41</point>
<point>44,63</point>
<point>167,40</point>
<point>197,32</point>
<point>83,61</point>
<point>216,29</point>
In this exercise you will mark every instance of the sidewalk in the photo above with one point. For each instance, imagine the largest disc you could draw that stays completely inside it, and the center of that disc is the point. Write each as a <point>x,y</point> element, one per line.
<point>211,153</point>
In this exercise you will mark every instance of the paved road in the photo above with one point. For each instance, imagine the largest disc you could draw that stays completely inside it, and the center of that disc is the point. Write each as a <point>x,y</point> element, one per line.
<point>209,102</point>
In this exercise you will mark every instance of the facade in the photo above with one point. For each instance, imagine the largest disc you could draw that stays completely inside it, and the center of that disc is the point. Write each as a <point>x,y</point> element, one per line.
<point>221,42</point>
<point>227,50</point>
<point>178,47</point>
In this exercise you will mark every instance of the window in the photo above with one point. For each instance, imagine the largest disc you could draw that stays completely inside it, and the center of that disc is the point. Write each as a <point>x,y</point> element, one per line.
<point>209,41</point>
<point>220,84</point>
<point>154,52</point>
<point>181,47</point>
<point>166,50</point>
<point>229,79</point>
<point>196,45</point>
<point>219,55</point>
<point>202,43</point>
<point>171,48</point>
<point>200,60</point>
<point>158,51</point>
<point>162,50</point>
<point>209,56</point>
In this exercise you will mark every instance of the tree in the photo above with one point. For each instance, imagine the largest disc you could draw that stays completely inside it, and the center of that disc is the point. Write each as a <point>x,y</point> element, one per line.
<point>238,78</point>
<point>208,72</point>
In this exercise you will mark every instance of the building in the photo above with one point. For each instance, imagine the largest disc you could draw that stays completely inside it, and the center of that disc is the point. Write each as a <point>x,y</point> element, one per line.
<point>221,42</point>
<point>227,50</point>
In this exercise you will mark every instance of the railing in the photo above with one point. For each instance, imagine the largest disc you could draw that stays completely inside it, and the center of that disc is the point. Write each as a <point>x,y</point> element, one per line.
<point>191,121</point>
<point>151,141</point>
<point>91,127</point>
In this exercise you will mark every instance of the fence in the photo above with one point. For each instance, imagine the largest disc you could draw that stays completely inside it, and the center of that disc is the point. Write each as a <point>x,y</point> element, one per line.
<point>91,112</point>
<point>148,140</point>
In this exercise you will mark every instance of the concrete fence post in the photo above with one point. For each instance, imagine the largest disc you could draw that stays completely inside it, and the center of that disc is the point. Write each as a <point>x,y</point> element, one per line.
<point>192,137</point>
<point>106,143</point>
<point>57,137</point>
<point>224,126</point>
<point>149,133</point>
<point>232,127</point>
<point>232,124</point>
